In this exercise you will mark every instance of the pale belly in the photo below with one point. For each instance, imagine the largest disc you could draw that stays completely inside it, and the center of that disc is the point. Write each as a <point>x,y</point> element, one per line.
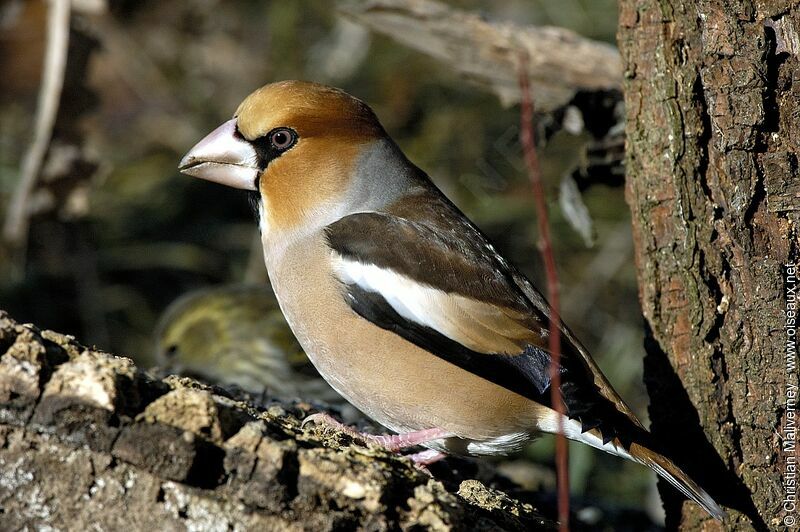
<point>395,383</point>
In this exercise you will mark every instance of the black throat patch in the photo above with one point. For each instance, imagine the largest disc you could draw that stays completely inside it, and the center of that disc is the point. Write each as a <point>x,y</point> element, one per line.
<point>254,199</point>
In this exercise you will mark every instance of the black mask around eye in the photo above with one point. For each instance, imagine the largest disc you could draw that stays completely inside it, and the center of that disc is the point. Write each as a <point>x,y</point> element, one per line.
<point>268,148</point>
<point>272,145</point>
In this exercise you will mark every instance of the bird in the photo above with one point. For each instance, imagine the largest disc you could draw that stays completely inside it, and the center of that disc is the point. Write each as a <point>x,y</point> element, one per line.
<point>402,304</point>
<point>236,334</point>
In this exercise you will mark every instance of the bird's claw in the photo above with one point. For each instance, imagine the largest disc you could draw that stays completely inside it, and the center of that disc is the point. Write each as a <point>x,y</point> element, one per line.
<point>328,421</point>
<point>424,458</point>
<point>317,419</point>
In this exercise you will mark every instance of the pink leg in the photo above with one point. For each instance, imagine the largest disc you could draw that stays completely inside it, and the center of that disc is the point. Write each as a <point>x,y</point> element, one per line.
<point>396,442</point>
<point>390,442</point>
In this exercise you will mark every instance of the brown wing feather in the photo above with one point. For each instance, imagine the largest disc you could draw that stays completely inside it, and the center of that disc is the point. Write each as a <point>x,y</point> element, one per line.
<point>454,224</point>
<point>600,380</point>
<point>480,301</point>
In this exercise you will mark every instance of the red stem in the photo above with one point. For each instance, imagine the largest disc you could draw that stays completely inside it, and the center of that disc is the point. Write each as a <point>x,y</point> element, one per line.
<point>546,248</point>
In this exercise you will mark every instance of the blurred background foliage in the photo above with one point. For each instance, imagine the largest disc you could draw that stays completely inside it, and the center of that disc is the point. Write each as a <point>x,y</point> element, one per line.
<point>163,74</point>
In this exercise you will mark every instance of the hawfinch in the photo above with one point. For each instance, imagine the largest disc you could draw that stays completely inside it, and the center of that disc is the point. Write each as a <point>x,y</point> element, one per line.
<point>400,302</point>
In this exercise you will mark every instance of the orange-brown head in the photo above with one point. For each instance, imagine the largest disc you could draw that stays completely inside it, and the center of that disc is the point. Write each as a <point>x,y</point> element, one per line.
<point>295,143</point>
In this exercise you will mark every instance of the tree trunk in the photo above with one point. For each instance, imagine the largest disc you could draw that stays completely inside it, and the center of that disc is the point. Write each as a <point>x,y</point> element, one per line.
<point>713,133</point>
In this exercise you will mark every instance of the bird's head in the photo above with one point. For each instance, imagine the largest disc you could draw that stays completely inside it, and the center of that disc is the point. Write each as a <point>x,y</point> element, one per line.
<point>297,146</point>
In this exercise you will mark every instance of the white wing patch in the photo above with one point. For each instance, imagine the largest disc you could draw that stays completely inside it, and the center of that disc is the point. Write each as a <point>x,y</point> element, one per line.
<point>405,296</point>
<point>477,325</point>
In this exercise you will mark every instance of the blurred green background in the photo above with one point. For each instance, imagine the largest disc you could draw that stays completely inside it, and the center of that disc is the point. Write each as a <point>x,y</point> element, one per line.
<point>165,73</point>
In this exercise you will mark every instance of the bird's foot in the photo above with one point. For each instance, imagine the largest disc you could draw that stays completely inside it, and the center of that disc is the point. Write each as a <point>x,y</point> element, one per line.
<point>327,420</point>
<point>391,442</point>
<point>425,458</point>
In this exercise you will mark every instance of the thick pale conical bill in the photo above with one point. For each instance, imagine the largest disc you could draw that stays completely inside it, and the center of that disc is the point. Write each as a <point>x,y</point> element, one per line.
<point>223,156</point>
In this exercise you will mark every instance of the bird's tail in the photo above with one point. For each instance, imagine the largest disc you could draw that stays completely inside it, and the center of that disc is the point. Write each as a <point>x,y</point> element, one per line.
<point>636,450</point>
<point>667,470</point>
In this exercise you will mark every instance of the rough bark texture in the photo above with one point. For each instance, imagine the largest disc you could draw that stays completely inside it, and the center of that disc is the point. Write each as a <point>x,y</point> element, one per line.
<point>88,442</point>
<point>713,133</point>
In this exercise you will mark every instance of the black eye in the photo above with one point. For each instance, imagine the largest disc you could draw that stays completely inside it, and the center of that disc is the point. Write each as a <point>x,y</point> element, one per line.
<point>282,139</point>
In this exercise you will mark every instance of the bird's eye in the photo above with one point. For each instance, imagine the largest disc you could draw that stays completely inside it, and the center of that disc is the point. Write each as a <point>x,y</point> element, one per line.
<point>282,139</point>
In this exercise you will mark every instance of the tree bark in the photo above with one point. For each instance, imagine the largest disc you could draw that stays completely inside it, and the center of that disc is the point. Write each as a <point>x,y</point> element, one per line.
<point>89,442</point>
<point>713,133</point>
